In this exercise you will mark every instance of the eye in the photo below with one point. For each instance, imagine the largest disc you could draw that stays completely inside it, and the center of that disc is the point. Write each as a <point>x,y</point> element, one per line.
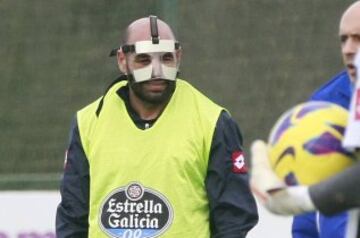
<point>143,59</point>
<point>357,38</point>
<point>168,57</point>
<point>343,38</point>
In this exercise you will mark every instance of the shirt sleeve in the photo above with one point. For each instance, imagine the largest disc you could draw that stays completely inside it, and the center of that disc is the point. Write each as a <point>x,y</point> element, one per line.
<point>72,212</point>
<point>233,210</point>
<point>339,193</point>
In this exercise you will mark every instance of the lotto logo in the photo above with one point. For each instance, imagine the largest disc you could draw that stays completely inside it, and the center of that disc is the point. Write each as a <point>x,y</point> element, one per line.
<point>238,160</point>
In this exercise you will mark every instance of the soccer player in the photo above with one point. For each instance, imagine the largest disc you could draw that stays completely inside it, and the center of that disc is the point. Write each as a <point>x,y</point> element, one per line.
<point>154,156</point>
<point>341,192</point>
<point>338,90</point>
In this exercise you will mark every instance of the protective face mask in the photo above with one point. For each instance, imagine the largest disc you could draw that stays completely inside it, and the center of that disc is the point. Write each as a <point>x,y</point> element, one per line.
<point>156,69</point>
<point>161,65</point>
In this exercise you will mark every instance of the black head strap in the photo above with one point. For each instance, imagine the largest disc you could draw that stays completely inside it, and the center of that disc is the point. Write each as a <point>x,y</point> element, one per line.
<point>113,52</point>
<point>154,29</point>
<point>124,48</point>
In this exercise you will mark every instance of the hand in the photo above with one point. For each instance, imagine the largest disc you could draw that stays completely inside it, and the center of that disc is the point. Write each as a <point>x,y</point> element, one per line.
<point>263,180</point>
<point>273,192</point>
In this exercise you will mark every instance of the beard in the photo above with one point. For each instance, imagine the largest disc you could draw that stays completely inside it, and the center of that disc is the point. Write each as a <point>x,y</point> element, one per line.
<point>152,97</point>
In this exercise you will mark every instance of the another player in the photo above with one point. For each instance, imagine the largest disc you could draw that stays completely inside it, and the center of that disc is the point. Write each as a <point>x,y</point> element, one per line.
<point>341,192</point>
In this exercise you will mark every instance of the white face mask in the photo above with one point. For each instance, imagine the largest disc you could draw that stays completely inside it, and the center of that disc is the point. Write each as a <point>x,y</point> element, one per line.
<point>146,73</point>
<point>158,60</point>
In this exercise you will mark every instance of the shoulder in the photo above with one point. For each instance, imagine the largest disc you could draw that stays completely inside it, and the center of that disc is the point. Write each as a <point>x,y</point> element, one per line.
<point>89,110</point>
<point>341,79</point>
<point>190,95</point>
<point>93,108</point>
<point>227,132</point>
<point>226,119</point>
<point>191,92</point>
<point>336,90</point>
<point>227,123</point>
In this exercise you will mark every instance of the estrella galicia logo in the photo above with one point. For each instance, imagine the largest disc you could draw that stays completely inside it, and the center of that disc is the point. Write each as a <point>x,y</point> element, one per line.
<point>135,211</point>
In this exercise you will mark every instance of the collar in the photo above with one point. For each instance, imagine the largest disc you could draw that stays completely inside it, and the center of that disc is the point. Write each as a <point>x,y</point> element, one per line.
<point>123,93</point>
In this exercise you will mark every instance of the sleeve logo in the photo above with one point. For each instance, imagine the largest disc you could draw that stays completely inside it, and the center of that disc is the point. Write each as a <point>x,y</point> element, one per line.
<point>238,162</point>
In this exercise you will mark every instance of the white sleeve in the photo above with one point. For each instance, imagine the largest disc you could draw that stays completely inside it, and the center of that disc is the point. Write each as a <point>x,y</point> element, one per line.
<point>352,133</point>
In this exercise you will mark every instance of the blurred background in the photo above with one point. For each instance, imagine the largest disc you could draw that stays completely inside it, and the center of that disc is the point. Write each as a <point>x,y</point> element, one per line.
<point>257,58</point>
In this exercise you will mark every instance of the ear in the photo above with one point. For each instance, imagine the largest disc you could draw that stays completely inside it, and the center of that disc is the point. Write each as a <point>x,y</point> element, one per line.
<point>121,59</point>
<point>178,55</point>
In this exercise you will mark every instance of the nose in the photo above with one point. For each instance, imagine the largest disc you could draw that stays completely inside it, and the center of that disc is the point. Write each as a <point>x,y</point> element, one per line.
<point>349,47</point>
<point>157,69</point>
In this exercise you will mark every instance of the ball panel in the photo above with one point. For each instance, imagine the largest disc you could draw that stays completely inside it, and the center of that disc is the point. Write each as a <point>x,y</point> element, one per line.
<point>305,143</point>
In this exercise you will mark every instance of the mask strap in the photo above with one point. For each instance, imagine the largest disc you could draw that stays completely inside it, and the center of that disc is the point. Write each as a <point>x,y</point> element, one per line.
<point>154,29</point>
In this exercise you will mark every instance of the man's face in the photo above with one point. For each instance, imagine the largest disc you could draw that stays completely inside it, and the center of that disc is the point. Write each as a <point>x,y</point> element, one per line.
<point>157,89</point>
<point>349,32</point>
<point>151,66</point>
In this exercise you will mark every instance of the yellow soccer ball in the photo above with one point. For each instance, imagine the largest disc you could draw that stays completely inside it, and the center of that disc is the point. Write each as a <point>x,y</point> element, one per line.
<point>305,143</point>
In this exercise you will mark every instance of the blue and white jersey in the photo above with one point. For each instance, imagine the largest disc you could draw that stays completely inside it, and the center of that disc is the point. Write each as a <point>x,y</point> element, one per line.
<point>338,90</point>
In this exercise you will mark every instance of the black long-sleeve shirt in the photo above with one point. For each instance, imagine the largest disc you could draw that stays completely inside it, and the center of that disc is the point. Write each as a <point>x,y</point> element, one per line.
<point>339,193</point>
<point>233,210</point>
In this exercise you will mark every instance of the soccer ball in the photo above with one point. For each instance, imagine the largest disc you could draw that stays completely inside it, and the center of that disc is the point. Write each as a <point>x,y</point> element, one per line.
<point>305,143</point>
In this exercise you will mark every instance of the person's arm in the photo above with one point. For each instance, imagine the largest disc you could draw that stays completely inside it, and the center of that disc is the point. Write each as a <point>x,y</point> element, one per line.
<point>233,210</point>
<point>338,193</point>
<point>72,212</point>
